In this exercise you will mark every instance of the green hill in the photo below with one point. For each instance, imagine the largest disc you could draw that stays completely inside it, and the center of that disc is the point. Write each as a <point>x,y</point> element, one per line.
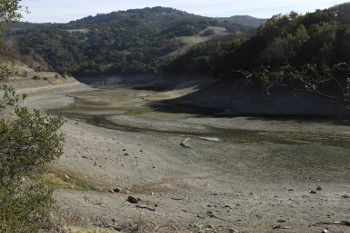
<point>321,37</point>
<point>132,41</point>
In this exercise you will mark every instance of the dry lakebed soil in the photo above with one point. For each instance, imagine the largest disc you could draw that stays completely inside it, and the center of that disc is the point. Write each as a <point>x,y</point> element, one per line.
<point>124,168</point>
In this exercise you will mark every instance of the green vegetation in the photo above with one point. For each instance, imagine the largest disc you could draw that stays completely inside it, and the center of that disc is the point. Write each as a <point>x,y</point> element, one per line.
<point>28,141</point>
<point>133,41</point>
<point>307,53</point>
<point>208,32</point>
<point>201,58</point>
<point>318,37</point>
<point>321,37</point>
<point>58,182</point>
<point>245,20</point>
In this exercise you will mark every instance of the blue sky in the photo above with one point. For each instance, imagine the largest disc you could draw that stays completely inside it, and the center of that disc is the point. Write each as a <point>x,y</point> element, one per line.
<point>66,10</point>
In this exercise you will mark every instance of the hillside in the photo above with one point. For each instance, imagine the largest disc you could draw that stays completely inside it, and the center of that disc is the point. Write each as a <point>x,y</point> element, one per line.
<point>294,65</point>
<point>28,80</point>
<point>320,38</point>
<point>132,41</point>
<point>246,20</point>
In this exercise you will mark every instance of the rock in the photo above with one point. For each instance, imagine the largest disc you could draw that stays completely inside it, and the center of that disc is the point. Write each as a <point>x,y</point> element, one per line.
<point>95,163</point>
<point>133,200</point>
<point>232,231</point>
<point>324,231</point>
<point>290,190</point>
<point>319,188</point>
<point>313,192</point>
<point>141,151</point>
<point>281,220</point>
<point>117,190</point>
<point>126,154</point>
<point>124,150</point>
<point>345,196</point>
<point>84,157</point>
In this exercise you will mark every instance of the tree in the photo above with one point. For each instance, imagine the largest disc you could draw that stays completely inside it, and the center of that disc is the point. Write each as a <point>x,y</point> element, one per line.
<point>28,141</point>
<point>332,83</point>
<point>8,14</point>
<point>342,12</point>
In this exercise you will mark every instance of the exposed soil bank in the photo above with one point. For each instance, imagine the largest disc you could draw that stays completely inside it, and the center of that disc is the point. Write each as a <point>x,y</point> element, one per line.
<point>27,80</point>
<point>236,99</point>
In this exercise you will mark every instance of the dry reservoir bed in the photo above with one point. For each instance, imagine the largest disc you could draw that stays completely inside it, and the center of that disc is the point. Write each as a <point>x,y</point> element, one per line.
<point>233,174</point>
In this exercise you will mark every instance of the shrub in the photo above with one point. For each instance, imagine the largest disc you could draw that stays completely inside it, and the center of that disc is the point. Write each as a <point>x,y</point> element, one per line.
<point>27,143</point>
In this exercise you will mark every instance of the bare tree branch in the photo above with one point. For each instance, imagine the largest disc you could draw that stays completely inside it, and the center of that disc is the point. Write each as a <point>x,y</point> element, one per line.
<point>312,78</point>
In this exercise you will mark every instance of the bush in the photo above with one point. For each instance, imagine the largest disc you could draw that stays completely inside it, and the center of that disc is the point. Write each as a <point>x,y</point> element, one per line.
<point>207,33</point>
<point>27,144</point>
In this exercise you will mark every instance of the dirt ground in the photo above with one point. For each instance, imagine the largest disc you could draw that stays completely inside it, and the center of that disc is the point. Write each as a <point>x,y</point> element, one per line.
<point>238,174</point>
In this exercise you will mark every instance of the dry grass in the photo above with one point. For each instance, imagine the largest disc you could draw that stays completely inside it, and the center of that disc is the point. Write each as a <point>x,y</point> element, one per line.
<point>66,179</point>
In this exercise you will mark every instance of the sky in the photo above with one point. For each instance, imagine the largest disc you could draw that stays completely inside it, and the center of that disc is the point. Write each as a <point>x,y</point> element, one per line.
<point>61,11</point>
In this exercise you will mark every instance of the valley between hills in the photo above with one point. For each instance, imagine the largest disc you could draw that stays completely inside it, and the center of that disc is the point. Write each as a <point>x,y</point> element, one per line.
<point>176,122</point>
